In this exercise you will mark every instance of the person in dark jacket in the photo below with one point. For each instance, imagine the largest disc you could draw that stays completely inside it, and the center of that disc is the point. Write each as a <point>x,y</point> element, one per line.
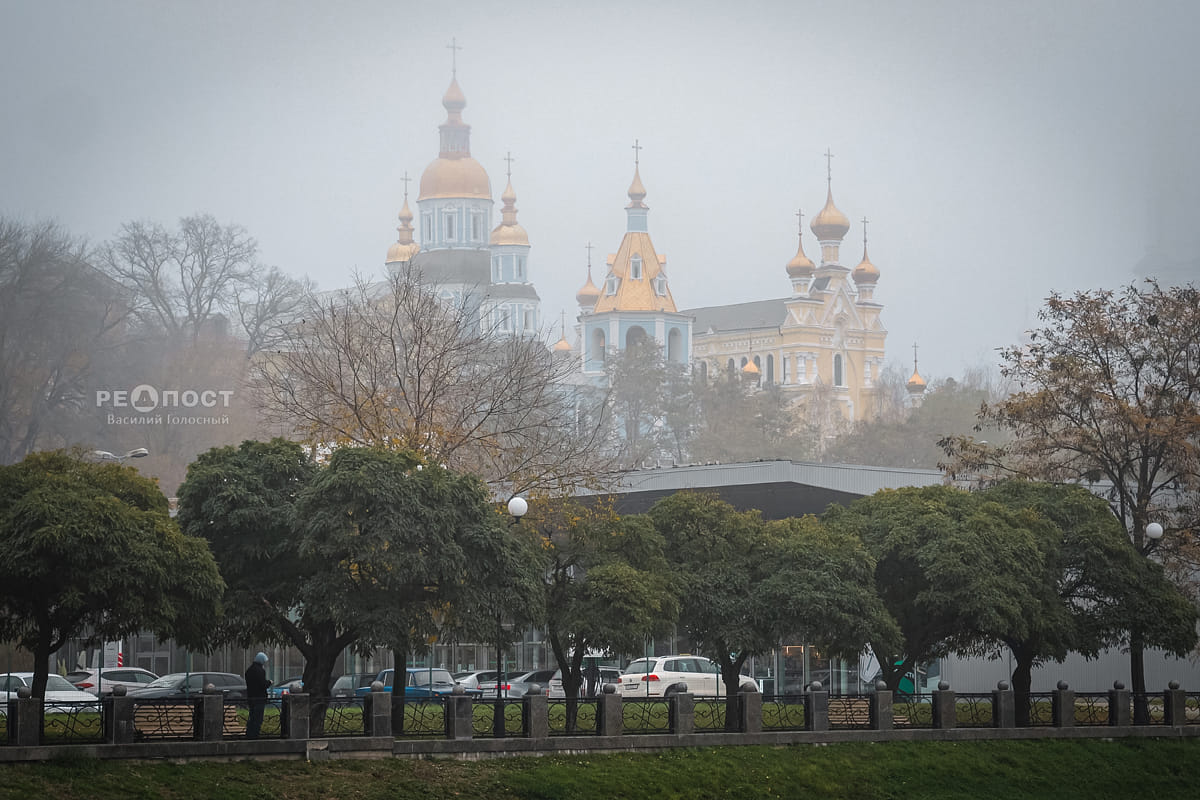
<point>256,694</point>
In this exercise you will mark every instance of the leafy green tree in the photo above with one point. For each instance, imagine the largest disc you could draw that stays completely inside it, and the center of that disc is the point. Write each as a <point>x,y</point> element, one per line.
<point>652,401</point>
<point>90,550</point>
<point>744,584</point>
<point>606,585</point>
<point>952,568</point>
<point>1094,587</point>
<point>1109,394</point>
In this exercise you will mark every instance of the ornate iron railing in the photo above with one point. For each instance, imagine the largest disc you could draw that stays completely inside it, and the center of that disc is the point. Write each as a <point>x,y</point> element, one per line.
<point>784,712</point>
<point>1041,708</point>
<point>424,718</point>
<point>1191,709</point>
<point>586,712</point>
<point>644,715</point>
<point>709,714</point>
<point>1091,709</point>
<point>849,712</point>
<point>912,711</point>
<point>165,719</point>
<point>483,719</point>
<point>343,717</point>
<point>1148,708</point>
<point>974,711</point>
<point>74,722</point>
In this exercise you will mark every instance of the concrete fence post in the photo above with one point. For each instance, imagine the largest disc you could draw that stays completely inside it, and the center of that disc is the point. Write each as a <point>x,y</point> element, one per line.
<point>25,719</point>
<point>535,714</point>
<point>816,708</point>
<point>377,712</point>
<point>1062,706</point>
<point>882,715</point>
<point>1118,706</point>
<point>1004,706</point>
<point>610,716</point>
<point>210,710</point>
<point>118,717</point>
<point>459,715</point>
<point>945,711</point>
<point>1174,705</point>
<point>751,710</point>
<point>295,716</point>
<point>682,713</point>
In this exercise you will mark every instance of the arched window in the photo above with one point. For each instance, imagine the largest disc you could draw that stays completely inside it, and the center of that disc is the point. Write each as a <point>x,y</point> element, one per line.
<point>635,267</point>
<point>597,354</point>
<point>704,371</point>
<point>838,376</point>
<point>730,367</point>
<point>675,345</point>
<point>634,337</point>
<point>770,369</point>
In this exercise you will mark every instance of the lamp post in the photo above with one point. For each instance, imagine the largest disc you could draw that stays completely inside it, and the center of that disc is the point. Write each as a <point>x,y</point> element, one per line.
<point>517,506</point>
<point>104,455</point>
<point>1141,711</point>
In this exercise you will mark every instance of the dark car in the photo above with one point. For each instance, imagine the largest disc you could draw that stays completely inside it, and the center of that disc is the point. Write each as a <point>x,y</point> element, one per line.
<point>348,685</point>
<point>422,682</point>
<point>182,685</point>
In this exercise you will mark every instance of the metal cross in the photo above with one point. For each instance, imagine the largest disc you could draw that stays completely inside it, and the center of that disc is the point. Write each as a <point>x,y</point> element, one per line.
<point>829,165</point>
<point>406,180</point>
<point>509,158</point>
<point>800,220</point>
<point>864,222</point>
<point>636,147</point>
<point>454,47</point>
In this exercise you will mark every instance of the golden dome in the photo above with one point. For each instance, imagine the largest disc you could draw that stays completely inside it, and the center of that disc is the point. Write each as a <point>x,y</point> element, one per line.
<point>562,345</point>
<point>454,100</point>
<point>830,223</point>
<point>637,192</point>
<point>509,231</point>
<point>866,272</point>
<point>589,294</point>
<point>751,369</point>
<point>916,383</point>
<point>399,251</point>
<point>800,265</point>
<point>455,177</point>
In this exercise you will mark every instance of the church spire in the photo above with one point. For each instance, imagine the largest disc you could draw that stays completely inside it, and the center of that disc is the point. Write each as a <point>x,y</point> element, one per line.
<point>831,225</point>
<point>637,209</point>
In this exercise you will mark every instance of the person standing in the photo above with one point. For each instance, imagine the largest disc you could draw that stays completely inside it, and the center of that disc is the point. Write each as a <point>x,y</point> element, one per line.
<point>256,694</point>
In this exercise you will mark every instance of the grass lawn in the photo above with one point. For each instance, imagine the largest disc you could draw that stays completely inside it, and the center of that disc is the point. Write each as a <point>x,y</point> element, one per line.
<point>1062,770</point>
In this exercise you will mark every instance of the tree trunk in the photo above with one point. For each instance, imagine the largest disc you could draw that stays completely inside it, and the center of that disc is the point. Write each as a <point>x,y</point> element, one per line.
<point>1022,681</point>
<point>1137,678</point>
<point>400,664</point>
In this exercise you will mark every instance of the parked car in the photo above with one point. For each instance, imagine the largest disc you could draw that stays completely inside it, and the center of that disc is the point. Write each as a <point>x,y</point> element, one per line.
<point>607,675</point>
<point>101,682</point>
<point>180,685</point>
<point>348,685</point>
<point>475,678</point>
<point>421,682</point>
<point>58,690</point>
<point>662,676</point>
<point>519,685</point>
<point>286,686</point>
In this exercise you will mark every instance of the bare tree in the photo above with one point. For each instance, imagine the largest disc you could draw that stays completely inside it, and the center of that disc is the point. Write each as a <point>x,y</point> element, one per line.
<point>58,315</point>
<point>391,364</point>
<point>201,275</point>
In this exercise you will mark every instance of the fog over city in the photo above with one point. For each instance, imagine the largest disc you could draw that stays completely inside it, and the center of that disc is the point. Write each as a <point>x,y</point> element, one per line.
<point>999,150</point>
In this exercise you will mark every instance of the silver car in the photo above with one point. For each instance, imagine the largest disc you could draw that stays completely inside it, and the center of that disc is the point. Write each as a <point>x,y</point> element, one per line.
<point>101,682</point>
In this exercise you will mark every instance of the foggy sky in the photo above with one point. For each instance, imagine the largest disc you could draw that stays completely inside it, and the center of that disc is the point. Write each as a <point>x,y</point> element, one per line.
<point>1000,150</point>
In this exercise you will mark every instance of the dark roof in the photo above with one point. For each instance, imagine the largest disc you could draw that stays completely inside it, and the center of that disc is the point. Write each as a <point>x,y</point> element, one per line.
<point>472,267</point>
<point>504,291</point>
<point>774,500</point>
<point>739,316</point>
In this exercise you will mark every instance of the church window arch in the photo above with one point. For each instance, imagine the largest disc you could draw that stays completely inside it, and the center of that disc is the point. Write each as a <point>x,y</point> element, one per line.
<point>730,367</point>
<point>635,267</point>
<point>675,345</point>
<point>704,371</point>
<point>598,347</point>
<point>839,377</point>
<point>635,336</point>
<point>770,369</point>
<point>610,285</point>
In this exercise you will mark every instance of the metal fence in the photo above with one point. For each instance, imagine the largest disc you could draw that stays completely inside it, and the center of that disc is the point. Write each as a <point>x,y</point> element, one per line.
<point>644,715</point>
<point>785,712</point>
<point>974,711</point>
<point>586,712</point>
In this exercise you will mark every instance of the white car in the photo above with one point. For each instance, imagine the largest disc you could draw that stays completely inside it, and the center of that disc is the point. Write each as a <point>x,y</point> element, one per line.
<point>607,675</point>
<point>61,696</point>
<point>102,682</point>
<point>662,676</point>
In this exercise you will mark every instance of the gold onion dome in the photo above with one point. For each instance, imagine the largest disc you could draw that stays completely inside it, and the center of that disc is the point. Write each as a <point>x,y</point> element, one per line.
<point>562,345</point>
<point>454,100</point>
<point>455,173</point>
<point>916,382</point>
<point>866,272</point>
<point>509,231</point>
<point>751,369</point>
<point>404,248</point>
<point>637,192</point>
<point>830,223</point>
<point>800,265</point>
<point>589,294</point>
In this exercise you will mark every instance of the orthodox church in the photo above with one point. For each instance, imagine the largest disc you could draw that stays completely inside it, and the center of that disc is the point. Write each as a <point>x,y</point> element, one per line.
<point>460,252</point>
<point>826,336</point>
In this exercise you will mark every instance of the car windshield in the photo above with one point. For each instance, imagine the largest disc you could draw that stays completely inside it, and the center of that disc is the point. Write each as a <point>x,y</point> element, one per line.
<point>424,677</point>
<point>57,683</point>
<point>642,665</point>
<point>167,681</point>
